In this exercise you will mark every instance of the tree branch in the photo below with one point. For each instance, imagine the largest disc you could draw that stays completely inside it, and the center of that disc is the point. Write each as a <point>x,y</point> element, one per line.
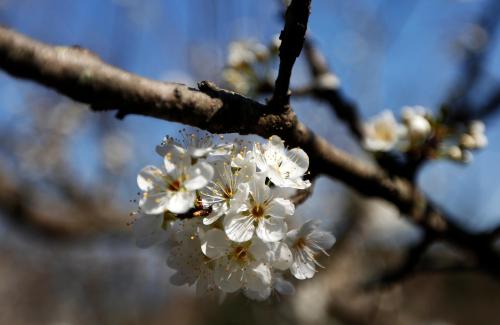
<point>66,220</point>
<point>79,74</point>
<point>292,39</point>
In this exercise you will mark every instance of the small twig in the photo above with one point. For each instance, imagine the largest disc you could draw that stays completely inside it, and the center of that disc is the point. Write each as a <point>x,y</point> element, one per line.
<point>459,96</point>
<point>343,107</point>
<point>292,39</point>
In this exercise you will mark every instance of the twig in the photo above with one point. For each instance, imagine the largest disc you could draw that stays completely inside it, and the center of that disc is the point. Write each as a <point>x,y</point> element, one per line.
<point>459,96</point>
<point>292,39</point>
<point>343,107</point>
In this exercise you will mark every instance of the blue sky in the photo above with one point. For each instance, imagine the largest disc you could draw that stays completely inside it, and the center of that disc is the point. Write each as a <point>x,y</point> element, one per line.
<point>386,53</point>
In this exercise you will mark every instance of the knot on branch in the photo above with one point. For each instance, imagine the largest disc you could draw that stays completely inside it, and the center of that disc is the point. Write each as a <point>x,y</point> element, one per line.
<point>244,115</point>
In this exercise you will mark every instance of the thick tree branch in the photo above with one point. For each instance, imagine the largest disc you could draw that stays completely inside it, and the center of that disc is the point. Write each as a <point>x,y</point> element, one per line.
<point>292,39</point>
<point>65,221</point>
<point>82,76</point>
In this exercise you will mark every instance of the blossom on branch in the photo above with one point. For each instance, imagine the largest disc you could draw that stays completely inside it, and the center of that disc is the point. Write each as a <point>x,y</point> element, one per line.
<point>420,135</point>
<point>222,209</point>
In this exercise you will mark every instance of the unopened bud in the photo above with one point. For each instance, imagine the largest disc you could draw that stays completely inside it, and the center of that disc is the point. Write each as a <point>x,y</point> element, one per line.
<point>419,127</point>
<point>467,141</point>
<point>455,153</point>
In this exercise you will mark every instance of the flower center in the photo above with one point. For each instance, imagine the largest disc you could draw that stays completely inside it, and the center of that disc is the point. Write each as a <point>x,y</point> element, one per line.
<point>257,211</point>
<point>241,254</point>
<point>175,185</point>
<point>384,133</point>
<point>301,243</point>
<point>227,193</point>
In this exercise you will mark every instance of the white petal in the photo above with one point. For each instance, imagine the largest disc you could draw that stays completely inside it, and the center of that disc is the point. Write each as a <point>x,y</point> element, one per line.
<point>302,268</point>
<point>275,176</point>
<point>154,203</point>
<point>180,202</point>
<point>296,164</point>
<point>258,188</point>
<point>229,278</point>
<point>279,207</point>
<point>297,183</point>
<point>222,149</point>
<point>323,239</point>
<point>216,213</point>
<point>198,176</point>
<point>174,157</point>
<point>161,150</point>
<point>276,143</point>
<point>271,230</point>
<point>147,230</point>
<point>239,228</point>
<point>260,160</point>
<point>239,198</point>
<point>198,152</point>
<point>149,178</point>
<point>258,279</point>
<point>214,243</point>
<point>259,250</point>
<point>281,256</point>
<point>307,228</point>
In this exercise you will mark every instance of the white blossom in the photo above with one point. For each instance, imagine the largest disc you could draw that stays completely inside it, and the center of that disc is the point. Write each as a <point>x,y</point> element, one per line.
<point>328,80</point>
<point>306,243</point>
<point>186,257</point>
<point>195,144</point>
<point>173,187</point>
<point>223,193</point>
<point>259,213</point>
<point>418,126</point>
<point>381,133</point>
<point>285,168</point>
<point>236,239</point>
<point>238,265</point>
<point>477,132</point>
<point>246,53</point>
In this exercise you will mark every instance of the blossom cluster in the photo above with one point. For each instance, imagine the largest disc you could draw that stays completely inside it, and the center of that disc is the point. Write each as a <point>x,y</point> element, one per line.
<point>421,133</point>
<point>224,211</point>
<point>249,64</point>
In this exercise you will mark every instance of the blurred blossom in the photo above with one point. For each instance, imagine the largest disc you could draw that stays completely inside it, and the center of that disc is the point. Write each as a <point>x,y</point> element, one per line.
<point>328,81</point>
<point>381,133</point>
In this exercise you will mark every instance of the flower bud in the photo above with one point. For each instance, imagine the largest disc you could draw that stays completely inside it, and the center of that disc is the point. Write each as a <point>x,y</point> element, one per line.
<point>419,127</point>
<point>455,153</point>
<point>476,127</point>
<point>468,141</point>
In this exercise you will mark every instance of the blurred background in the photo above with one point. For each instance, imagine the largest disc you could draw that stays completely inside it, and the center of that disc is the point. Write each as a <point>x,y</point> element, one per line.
<point>67,176</point>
